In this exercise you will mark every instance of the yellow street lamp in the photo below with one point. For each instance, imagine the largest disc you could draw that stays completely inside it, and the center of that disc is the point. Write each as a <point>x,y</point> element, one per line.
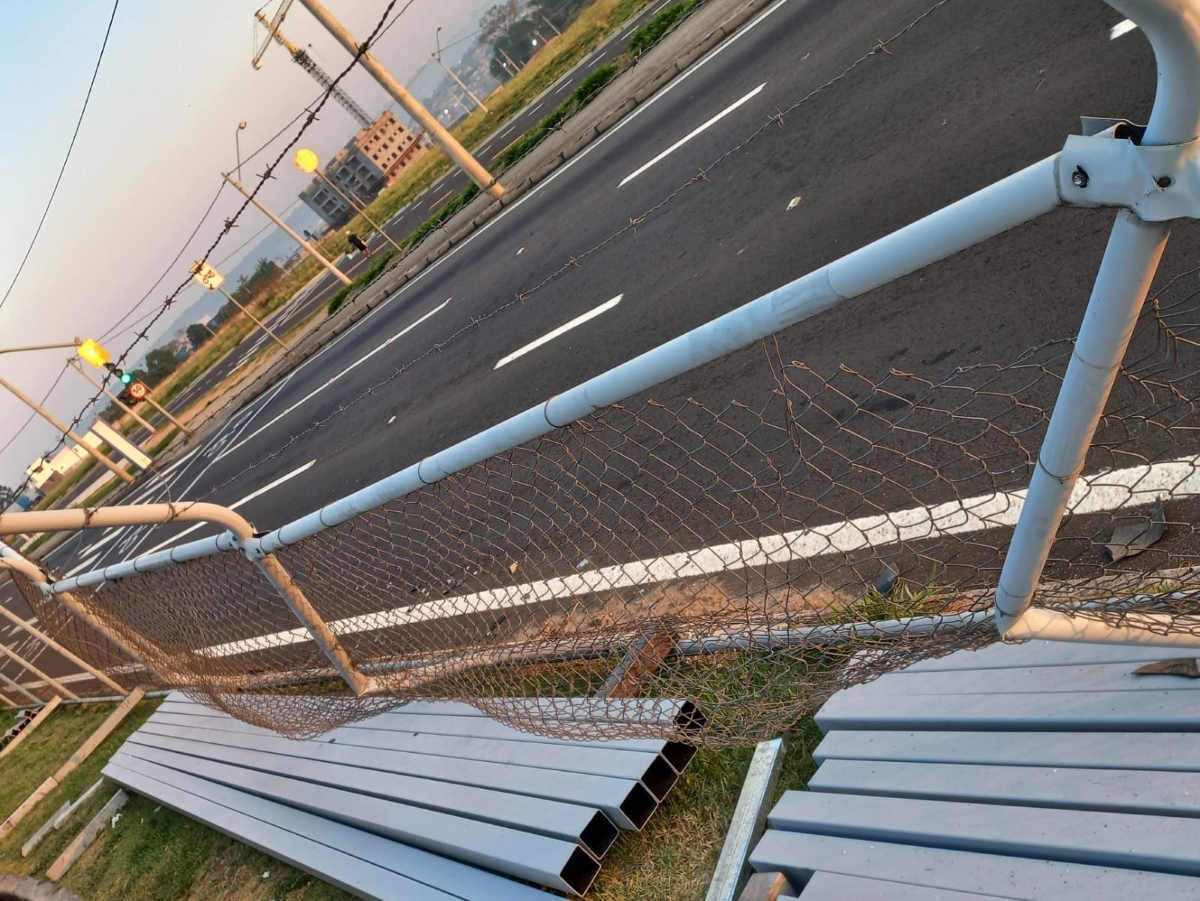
<point>309,163</point>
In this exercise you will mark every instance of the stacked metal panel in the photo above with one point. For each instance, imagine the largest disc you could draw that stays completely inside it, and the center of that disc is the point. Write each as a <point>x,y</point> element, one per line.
<point>1039,771</point>
<point>430,798</point>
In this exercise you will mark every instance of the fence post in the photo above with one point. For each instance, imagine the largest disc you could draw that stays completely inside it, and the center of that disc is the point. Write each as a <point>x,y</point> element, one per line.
<point>317,628</point>
<point>1126,272</point>
<point>30,570</point>
<point>54,684</point>
<point>20,689</point>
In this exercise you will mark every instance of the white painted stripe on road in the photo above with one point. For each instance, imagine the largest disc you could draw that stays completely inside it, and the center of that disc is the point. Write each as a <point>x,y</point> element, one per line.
<point>562,87</point>
<point>1122,488</point>
<point>507,130</point>
<point>400,334</point>
<point>84,566</point>
<point>1122,28</point>
<point>696,131</point>
<point>247,499</point>
<point>538,107</point>
<point>561,330</point>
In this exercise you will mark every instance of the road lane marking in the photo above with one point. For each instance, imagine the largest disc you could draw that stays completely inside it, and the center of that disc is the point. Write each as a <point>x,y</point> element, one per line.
<point>507,130</point>
<point>247,499</point>
<point>561,330</point>
<point>400,334</point>
<point>1122,28</point>
<point>563,87</point>
<point>538,107</point>
<point>1101,492</point>
<point>693,133</point>
<point>440,199</point>
<point>82,567</point>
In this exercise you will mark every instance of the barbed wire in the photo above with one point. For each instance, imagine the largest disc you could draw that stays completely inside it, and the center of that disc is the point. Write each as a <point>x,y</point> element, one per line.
<point>310,117</point>
<point>878,48</point>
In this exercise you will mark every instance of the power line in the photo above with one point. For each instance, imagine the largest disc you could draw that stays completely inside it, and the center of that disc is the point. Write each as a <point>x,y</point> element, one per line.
<point>33,415</point>
<point>66,159</point>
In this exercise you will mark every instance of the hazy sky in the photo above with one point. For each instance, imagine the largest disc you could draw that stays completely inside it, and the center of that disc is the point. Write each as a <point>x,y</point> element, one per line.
<point>175,81</point>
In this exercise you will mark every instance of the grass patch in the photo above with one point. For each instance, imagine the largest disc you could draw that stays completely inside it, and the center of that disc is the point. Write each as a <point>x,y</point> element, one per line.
<point>673,858</point>
<point>373,272</point>
<point>647,36</point>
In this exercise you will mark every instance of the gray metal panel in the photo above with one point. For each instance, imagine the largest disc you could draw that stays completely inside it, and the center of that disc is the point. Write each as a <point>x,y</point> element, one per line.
<point>835,887</point>
<point>570,822</point>
<point>1127,711</point>
<point>595,761</point>
<point>1041,653</point>
<point>547,861</point>
<point>1039,679</point>
<point>625,800</point>
<point>799,855</point>
<point>243,817</point>
<point>1121,791</point>
<point>455,718</point>
<point>1130,841</point>
<point>1176,751</point>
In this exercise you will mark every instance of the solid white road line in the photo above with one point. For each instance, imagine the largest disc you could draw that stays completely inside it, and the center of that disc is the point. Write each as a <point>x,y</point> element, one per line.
<point>85,565</point>
<point>562,87</point>
<point>1122,28</point>
<point>1101,492</point>
<point>538,107</point>
<point>247,499</point>
<point>697,131</point>
<point>400,334</point>
<point>561,330</point>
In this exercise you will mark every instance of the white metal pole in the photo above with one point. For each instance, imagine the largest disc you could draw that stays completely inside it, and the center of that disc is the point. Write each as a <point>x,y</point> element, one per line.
<point>45,639</point>
<point>165,412</point>
<point>46,415</point>
<point>17,350</point>
<point>262,325</point>
<point>337,273</point>
<point>1130,261</point>
<point>479,103</point>
<point>354,206</point>
<point>476,170</point>
<point>20,661</point>
<point>20,689</point>
<point>74,364</point>
<point>1021,197</point>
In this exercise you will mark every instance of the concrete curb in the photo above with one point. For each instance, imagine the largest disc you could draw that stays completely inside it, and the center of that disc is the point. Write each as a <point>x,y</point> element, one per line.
<point>22,888</point>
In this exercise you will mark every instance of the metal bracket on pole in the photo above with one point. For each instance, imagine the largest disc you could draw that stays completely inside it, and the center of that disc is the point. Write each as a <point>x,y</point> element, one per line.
<point>1158,183</point>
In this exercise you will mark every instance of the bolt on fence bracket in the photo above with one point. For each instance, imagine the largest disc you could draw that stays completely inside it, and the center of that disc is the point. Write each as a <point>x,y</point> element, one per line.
<point>1158,183</point>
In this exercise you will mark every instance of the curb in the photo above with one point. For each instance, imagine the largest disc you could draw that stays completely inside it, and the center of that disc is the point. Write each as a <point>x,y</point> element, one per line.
<point>22,888</point>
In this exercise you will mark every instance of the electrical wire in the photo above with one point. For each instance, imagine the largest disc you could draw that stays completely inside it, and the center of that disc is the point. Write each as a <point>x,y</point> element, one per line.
<point>66,159</point>
<point>33,415</point>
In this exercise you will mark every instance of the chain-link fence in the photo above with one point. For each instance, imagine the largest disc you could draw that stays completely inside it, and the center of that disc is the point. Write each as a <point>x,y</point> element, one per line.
<point>710,551</point>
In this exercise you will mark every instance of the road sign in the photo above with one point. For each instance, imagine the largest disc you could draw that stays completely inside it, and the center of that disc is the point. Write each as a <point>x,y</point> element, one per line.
<point>207,275</point>
<point>93,352</point>
<point>138,390</point>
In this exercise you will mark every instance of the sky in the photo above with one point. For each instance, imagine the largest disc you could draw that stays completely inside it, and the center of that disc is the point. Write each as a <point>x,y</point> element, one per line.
<point>160,128</point>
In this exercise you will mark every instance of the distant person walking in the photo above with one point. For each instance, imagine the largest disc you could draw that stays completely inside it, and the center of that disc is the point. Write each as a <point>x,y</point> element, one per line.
<point>358,243</point>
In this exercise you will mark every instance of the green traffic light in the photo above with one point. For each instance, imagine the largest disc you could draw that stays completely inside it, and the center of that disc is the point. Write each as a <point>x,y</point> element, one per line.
<point>126,378</point>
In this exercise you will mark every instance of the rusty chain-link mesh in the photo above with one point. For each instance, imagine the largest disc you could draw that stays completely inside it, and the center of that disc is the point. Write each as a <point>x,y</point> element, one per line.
<point>711,551</point>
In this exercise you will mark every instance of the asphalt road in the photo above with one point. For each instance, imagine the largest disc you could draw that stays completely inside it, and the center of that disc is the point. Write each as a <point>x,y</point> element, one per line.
<point>971,94</point>
<point>414,214</point>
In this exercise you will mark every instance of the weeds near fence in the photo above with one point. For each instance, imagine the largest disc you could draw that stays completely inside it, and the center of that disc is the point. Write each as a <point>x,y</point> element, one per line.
<point>646,36</point>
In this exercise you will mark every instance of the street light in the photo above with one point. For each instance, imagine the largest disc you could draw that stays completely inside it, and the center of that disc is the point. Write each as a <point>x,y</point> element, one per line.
<point>238,144</point>
<point>438,57</point>
<point>309,163</point>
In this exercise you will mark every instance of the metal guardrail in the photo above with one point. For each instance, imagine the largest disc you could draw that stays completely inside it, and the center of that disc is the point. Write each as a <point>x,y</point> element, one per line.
<point>582,520</point>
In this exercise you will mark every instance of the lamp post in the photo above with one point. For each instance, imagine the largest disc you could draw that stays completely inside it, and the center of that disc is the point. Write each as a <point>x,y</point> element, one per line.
<point>438,56</point>
<point>238,144</point>
<point>309,163</point>
<point>57,423</point>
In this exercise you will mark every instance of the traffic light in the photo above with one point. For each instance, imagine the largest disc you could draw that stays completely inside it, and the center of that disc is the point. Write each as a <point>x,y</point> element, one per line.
<point>119,374</point>
<point>93,352</point>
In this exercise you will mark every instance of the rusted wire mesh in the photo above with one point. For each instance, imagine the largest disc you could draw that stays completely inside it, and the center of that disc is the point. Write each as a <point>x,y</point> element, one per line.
<point>718,552</point>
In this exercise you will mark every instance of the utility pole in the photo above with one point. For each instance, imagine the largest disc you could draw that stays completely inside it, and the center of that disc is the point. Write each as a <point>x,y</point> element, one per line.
<point>338,274</point>
<point>459,154</point>
<point>58,424</point>
<point>515,68</point>
<point>309,163</point>
<point>552,25</point>
<point>438,56</point>
<point>262,325</point>
<point>74,364</point>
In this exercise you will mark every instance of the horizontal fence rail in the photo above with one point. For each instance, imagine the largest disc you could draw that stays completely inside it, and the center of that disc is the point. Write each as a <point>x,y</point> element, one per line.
<point>750,553</point>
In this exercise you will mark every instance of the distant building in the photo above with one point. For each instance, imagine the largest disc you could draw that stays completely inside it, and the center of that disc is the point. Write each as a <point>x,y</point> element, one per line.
<point>45,475</point>
<point>360,170</point>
